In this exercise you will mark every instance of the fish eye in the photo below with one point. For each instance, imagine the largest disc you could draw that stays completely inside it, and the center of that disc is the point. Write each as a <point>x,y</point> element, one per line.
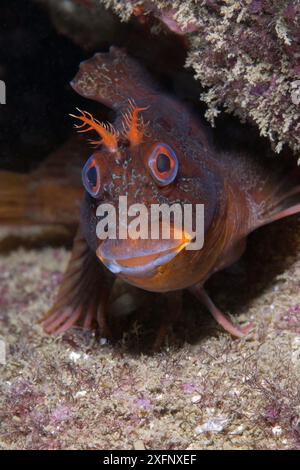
<point>163,164</point>
<point>91,177</point>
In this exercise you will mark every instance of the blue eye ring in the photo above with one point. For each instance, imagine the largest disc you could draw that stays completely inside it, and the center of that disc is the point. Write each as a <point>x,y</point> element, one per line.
<point>91,177</point>
<point>163,164</point>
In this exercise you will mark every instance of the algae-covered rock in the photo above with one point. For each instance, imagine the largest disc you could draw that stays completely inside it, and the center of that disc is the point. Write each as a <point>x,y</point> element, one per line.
<point>246,55</point>
<point>87,22</point>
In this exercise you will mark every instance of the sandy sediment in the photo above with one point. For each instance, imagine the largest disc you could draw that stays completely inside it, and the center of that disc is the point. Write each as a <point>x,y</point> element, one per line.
<point>203,390</point>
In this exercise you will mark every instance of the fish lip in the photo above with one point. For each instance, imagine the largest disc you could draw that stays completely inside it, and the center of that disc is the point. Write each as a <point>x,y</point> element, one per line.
<point>148,268</point>
<point>143,270</point>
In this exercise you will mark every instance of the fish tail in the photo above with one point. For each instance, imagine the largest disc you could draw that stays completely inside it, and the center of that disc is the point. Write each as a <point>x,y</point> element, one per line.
<point>38,199</point>
<point>14,198</point>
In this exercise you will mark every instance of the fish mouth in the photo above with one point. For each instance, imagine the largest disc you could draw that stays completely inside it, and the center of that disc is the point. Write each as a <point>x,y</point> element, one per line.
<point>139,258</point>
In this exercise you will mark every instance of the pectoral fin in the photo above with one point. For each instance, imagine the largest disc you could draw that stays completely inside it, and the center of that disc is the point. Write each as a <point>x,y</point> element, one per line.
<point>83,293</point>
<point>283,200</point>
<point>220,318</point>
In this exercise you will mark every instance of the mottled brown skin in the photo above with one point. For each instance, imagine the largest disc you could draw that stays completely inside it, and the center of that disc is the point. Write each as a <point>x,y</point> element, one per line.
<point>200,178</point>
<point>238,193</point>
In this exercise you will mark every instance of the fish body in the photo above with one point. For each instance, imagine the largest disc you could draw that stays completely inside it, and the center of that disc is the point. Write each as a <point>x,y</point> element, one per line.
<point>232,188</point>
<point>157,152</point>
<point>49,195</point>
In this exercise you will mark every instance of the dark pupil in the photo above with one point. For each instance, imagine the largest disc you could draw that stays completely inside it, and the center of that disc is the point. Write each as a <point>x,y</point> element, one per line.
<point>92,176</point>
<point>163,163</point>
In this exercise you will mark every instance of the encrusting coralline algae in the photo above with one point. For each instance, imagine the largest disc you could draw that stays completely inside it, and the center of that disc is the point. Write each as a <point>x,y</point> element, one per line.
<point>245,54</point>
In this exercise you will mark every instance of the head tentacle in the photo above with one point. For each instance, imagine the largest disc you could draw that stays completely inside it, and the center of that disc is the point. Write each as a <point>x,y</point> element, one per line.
<point>109,136</point>
<point>133,124</point>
